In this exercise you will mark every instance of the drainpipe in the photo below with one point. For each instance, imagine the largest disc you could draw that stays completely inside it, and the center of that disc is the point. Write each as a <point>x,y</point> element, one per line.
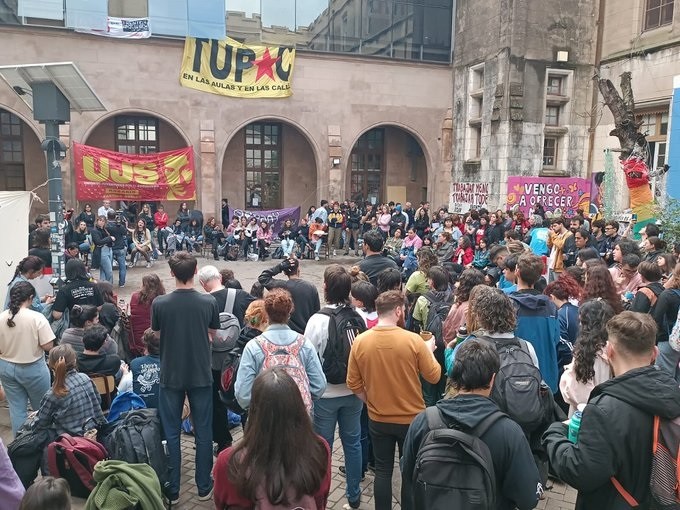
<point>596,93</point>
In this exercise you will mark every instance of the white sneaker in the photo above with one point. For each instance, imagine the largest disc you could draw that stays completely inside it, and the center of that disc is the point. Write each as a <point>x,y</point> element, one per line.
<point>148,265</point>
<point>335,254</point>
<point>316,257</point>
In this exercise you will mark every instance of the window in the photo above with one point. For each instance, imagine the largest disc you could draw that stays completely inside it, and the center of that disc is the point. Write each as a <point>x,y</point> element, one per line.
<point>12,176</point>
<point>137,135</point>
<point>655,128</point>
<point>549,152</point>
<point>552,115</point>
<point>554,85</point>
<point>263,166</point>
<point>367,167</point>
<point>658,13</point>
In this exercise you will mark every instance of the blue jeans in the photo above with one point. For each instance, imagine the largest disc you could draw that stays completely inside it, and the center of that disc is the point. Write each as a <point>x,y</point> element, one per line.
<point>170,404</point>
<point>668,359</point>
<point>106,264</point>
<point>120,256</point>
<point>287,246</point>
<point>346,412</point>
<point>24,382</point>
<point>84,247</point>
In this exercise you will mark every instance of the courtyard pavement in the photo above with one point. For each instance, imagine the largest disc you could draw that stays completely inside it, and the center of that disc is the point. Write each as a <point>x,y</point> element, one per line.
<point>560,497</point>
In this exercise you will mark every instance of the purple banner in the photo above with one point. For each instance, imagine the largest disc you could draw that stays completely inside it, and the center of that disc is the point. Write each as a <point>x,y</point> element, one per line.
<point>275,217</point>
<point>568,194</point>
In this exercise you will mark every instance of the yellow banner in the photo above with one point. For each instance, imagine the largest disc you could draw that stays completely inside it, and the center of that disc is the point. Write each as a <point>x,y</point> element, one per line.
<point>230,68</point>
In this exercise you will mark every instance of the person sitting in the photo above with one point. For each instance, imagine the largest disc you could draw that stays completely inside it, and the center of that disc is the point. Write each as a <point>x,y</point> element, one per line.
<point>393,245</point>
<point>316,235</point>
<point>27,269</point>
<point>79,290</point>
<point>213,236</point>
<point>264,239</point>
<point>83,318</point>
<point>92,361</point>
<point>143,377</point>
<point>194,237</point>
<point>71,252</point>
<point>287,237</point>
<point>176,237</point>
<point>72,405</point>
<point>291,468</point>
<point>141,243</point>
<point>301,237</point>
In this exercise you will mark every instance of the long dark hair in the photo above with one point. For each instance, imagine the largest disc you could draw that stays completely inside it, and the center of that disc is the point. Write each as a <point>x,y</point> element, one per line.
<point>106,290</point>
<point>468,279</point>
<point>592,337</point>
<point>152,287</point>
<point>19,294</point>
<point>289,463</point>
<point>30,263</point>
<point>600,284</point>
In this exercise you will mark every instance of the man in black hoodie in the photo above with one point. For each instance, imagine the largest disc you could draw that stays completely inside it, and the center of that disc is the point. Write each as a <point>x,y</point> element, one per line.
<point>616,433</point>
<point>472,376</point>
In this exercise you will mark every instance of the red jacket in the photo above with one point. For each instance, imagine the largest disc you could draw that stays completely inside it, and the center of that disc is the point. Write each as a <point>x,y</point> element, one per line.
<point>463,256</point>
<point>225,494</point>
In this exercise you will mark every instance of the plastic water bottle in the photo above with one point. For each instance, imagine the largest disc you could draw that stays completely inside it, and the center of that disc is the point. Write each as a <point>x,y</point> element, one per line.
<point>574,426</point>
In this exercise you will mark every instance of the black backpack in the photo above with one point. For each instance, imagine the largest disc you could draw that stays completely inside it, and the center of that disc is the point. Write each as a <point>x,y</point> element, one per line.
<point>225,338</point>
<point>454,468</point>
<point>434,323</point>
<point>137,438</point>
<point>344,325</point>
<point>517,388</point>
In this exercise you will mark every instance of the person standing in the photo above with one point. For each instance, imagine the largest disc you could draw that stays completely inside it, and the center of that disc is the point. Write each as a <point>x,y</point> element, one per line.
<point>304,294</point>
<point>336,221</point>
<point>352,228</point>
<point>560,243</point>
<point>118,232</point>
<point>185,370</point>
<point>338,405</point>
<point>384,370</point>
<point>25,336</point>
<point>613,455</point>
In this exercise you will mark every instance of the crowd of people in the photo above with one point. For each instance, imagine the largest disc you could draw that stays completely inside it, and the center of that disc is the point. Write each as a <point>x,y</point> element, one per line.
<point>485,328</point>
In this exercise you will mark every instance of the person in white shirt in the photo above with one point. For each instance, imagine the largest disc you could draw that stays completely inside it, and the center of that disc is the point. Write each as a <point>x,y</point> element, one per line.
<point>338,405</point>
<point>105,208</point>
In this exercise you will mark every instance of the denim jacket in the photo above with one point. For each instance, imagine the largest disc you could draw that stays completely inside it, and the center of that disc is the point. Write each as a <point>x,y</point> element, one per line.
<point>253,358</point>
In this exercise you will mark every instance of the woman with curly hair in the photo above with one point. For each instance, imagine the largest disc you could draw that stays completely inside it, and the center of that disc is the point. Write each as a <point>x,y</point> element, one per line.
<point>590,366</point>
<point>600,284</point>
<point>491,314</point>
<point>417,282</point>
<point>468,279</point>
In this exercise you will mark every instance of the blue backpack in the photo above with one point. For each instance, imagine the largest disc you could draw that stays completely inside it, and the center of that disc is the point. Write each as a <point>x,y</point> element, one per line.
<point>123,403</point>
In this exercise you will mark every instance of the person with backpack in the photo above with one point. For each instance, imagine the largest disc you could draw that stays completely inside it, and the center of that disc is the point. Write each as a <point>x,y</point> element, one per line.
<point>185,321</point>
<point>612,463</point>
<point>429,313</point>
<point>144,376</point>
<point>332,331</point>
<point>647,295</point>
<point>537,320</point>
<point>280,462</point>
<point>501,469</point>
<point>279,345</point>
<point>224,341</point>
<point>384,370</point>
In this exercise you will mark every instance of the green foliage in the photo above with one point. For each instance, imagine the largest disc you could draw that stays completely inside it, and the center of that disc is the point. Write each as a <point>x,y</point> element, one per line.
<point>669,216</point>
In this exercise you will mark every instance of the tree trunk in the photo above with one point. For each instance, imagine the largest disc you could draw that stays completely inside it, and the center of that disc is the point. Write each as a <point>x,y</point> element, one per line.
<point>623,110</point>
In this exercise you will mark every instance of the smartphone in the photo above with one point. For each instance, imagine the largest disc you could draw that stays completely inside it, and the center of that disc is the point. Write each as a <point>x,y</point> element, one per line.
<point>633,217</point>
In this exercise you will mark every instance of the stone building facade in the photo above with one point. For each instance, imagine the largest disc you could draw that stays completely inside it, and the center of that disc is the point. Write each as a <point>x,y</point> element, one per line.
<point>522,89</point>
<point>386,120</point>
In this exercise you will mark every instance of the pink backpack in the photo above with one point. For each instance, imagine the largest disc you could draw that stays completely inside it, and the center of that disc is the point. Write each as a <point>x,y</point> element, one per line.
<point>288,358</point>
<point>74,458</point>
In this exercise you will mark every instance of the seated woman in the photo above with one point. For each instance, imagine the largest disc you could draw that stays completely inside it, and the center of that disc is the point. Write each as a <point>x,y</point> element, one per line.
<point>144,375</point>
<point>194,237</point>
<point>264,239</point>
<point>71,405</point>
<point>79,290</point>
<point>81,236</point>
<point>213,236</point>
<point>393,245</point>
<point>287,237</point>
<point>27,269</point>
<point>290,468</point>
<point>141,242</point>
<point>176,237</point>
<point>83,318</point>
<point>109,313</point>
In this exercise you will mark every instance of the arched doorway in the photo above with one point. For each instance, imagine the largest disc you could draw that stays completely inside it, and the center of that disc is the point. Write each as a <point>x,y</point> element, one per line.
<point>138,133</point>
<point>387,163</point>
<point>269,164</point>
<point>22,161</point>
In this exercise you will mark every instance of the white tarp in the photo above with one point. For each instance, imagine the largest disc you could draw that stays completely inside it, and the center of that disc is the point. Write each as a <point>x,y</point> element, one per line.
<point>14,210</point>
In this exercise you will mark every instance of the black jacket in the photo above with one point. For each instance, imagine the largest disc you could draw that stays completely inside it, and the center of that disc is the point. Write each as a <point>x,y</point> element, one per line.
<point>304,294</point>
<point>101,237</point>
<point>615,439</point>
<point>517,479</point>
<point>665,313</point>
<point>494,233</point>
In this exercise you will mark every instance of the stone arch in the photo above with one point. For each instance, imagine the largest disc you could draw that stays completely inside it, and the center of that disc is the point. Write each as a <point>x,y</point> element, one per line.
<point>411,161</point>
<point>299,155</point>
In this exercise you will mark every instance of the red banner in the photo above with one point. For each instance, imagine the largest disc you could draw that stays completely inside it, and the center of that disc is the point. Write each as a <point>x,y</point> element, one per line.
<point>118,176</point>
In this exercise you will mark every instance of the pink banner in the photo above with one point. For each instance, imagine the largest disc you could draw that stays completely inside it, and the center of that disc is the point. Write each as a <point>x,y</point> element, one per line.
<point>568,194</point>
